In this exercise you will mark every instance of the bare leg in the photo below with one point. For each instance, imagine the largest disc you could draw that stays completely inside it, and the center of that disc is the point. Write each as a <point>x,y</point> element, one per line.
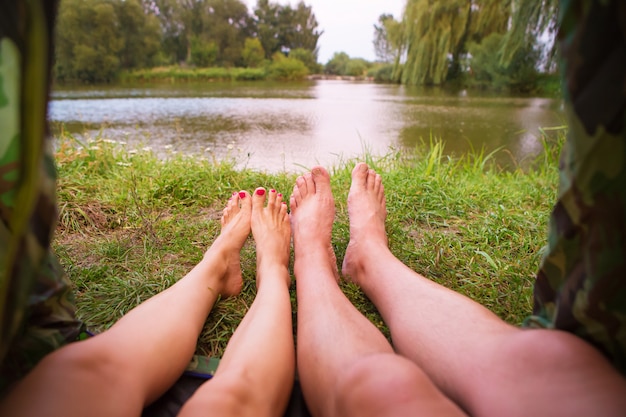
<point>346,366</point>
<point>120,371</point>
<point>485,365</point>
<point>256,374</point>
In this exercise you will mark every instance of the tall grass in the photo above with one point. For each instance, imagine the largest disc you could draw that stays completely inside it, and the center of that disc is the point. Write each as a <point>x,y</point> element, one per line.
<point>288,70</point>
<point>132,224</point>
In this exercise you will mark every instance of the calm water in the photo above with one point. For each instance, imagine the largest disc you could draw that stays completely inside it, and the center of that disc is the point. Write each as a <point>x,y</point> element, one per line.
<point>275,127</point>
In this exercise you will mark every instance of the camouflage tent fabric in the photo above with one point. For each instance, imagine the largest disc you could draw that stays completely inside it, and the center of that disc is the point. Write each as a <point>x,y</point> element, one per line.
<point>36,309</point>
<point>581,284</point>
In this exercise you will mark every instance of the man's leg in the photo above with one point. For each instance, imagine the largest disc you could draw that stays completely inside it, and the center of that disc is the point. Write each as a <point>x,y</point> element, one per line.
<point>346,366</point>
<point>485,365</point>
<point>122,370</point>
<point>256,374</point>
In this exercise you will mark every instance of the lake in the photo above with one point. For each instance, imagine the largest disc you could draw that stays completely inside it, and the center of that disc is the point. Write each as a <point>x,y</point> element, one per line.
<point>287,126</point>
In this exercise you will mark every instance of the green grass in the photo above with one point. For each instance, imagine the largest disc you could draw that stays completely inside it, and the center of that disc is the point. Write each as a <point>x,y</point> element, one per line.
<point>131,225</point>
<point>181,74</point>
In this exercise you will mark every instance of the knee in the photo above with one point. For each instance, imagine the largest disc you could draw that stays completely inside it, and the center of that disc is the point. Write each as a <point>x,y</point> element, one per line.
<point>370,386</point>
<point>225,395</point>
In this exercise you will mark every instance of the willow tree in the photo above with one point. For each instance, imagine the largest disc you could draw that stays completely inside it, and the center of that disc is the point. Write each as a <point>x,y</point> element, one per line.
<point>436,33</point>
<point>531,21</point>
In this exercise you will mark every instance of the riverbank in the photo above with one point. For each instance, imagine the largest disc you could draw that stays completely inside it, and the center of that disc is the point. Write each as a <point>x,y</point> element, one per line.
<point>132,224</point>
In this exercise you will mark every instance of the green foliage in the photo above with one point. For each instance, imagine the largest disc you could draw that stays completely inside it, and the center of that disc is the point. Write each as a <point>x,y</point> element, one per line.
<point>282,28</point>
<point>97,39</point>
<point>88,41</point>
<point>530,20</point>
<point>382,73</point>
<point>286,68</point>
<point>338,64</point>
<point>203,53</point>
<point>308,58</point>
<point>141,33</point>
<point>253,54</point>
<point>436,35</point>
<point>387,39</point>
<point>488,70</point>
<point>169,74</point>
<point>342,64</point>
<point>357,67</point>
<point>434,32</point>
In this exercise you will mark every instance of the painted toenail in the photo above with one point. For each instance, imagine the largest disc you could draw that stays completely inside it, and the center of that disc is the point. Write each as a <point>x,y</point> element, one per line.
<point>280,194</point>
<point>242,195</point>
<point>272,190</point>
<point>260,191</point>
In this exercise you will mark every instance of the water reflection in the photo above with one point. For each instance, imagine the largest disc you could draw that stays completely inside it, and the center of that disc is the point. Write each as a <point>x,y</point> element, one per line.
<point>286,126</point>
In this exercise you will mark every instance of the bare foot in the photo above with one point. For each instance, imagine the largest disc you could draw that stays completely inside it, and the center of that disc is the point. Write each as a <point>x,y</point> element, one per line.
<point>367,210</point>
<point>271,231</point>
<point>235,230</point>
<point>312,215</point>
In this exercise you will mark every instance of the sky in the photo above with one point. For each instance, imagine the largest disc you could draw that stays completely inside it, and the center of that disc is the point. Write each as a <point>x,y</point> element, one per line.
<point>348,25</point>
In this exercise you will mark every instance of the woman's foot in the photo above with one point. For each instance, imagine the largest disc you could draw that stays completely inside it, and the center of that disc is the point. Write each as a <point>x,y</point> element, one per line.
<point>271,231</point>
<point>227,247</point>
<point>367,210</point>
<point>312,215</point>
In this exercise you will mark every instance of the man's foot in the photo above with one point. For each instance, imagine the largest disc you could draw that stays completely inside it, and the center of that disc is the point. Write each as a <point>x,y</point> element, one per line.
<point>312,215</point>
<point>367,211</point>
<point>271,230</point>
<point>227,247</point>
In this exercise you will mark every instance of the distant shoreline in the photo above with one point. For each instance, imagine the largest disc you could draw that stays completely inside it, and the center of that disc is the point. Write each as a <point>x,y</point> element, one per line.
<point>317,77</point>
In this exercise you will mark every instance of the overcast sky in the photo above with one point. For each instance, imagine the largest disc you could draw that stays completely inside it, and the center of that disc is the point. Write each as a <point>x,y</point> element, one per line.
<point>348,25</point>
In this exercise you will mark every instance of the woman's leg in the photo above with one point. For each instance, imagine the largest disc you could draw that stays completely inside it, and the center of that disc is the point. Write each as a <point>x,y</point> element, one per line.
<point>122,370</point>
<point>485,365</point>
<point>346,366</point>
<point>256,374</point>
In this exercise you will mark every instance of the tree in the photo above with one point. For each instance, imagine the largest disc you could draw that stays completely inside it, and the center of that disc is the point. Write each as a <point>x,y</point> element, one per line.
<point>530,20</point>
<point>338,64</point>
<point>308,58</point>
<point>253,54</point>
<point>300,27</point>
<point>88,41</point>
<point>283,28</point>
<point>203,53</point>
<point>382,44</point>
<point>141,32</point>
<point>436,33</point>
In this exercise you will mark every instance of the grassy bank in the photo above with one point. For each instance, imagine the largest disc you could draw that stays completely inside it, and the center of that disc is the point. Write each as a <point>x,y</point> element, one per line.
<point>131,225</point>
<point>284,69</point>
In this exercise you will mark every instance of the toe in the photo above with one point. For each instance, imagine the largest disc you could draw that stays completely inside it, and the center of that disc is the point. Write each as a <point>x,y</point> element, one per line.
<point>244,200</point>
<point>310,185</point>
<point>359,173</point>
<point>258,199</point>
<point>271,199</point>
<point>321,178</point>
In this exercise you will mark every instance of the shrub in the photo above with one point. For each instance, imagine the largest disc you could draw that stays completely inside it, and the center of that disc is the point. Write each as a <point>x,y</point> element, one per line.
<point>284,68</point>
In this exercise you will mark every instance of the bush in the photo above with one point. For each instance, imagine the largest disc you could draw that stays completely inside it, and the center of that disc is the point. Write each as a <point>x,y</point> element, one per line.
<point>253,54</point>
<point>382,73</point>
<point>203,54</point>
<point>308,58</point>
<point>249,74</point>
<point>284,68</point>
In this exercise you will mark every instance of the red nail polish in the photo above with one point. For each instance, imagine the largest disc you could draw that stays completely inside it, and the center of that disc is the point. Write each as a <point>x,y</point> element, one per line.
<point>242,194</point>
<point>260,191</point>
<point>280,194</point>
<point>272,190</point>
